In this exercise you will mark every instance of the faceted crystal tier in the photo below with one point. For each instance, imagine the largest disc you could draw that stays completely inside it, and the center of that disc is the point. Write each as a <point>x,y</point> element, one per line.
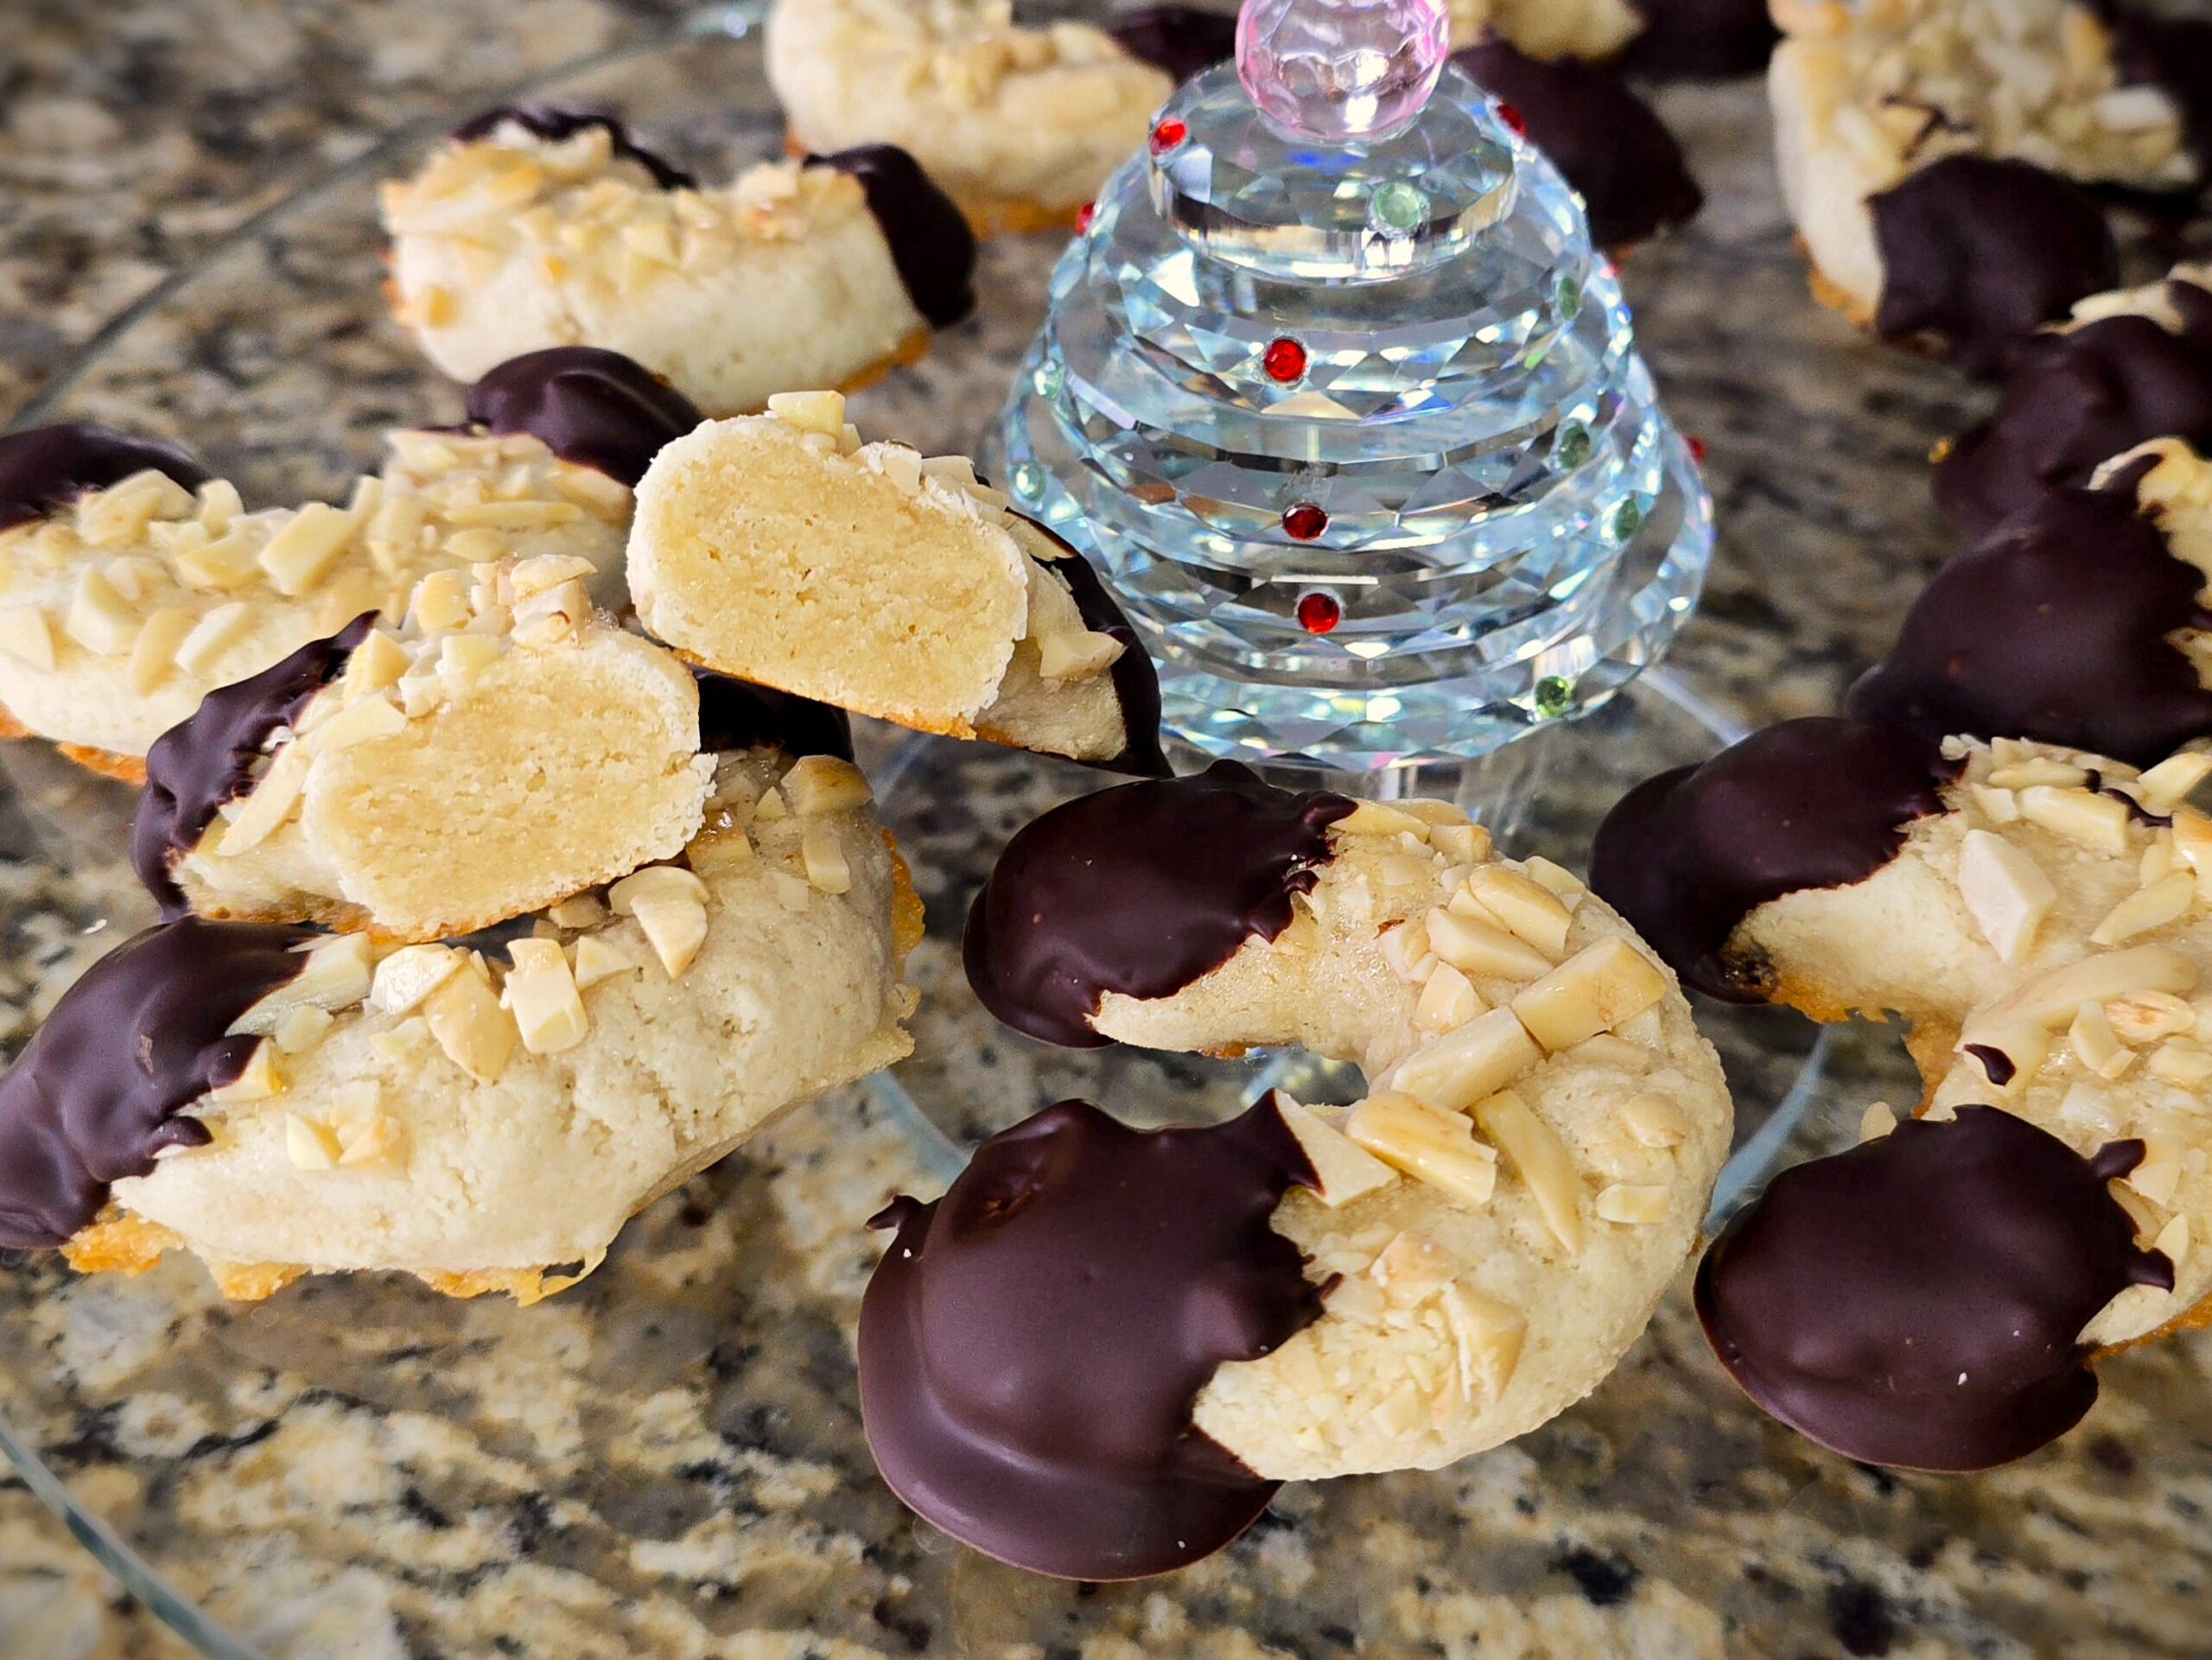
<point>1361,522</point>
<point>1230,179</point>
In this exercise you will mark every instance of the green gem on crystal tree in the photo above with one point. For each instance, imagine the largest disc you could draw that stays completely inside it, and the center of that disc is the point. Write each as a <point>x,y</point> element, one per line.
<point>1554,697</point>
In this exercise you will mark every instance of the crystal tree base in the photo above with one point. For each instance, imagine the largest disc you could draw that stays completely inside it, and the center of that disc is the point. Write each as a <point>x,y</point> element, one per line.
<point>1359,432</point>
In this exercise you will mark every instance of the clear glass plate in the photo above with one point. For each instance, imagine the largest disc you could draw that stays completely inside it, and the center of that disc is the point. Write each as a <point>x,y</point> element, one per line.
<point>668,1459</point>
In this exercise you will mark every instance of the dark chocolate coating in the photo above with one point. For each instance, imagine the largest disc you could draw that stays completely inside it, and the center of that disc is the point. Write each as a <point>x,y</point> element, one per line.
<point>208,759</point>
<point>1702,37</point>
<point>1140,889</point>
<point>1919,1300</point>
<point>1981,253</point>
<point>1182,41</point>
<point>930,242</point>
<point>2055,627</point>
<point>97,1091</point>
<point>1137,681</point>
<point>1816,803</point>
<point>49,467</point>
<point>554,121</point>
<point>1607,141</point>
<point>1032,1346</point>
<point>738,715</point>
<point>2173,53</point>
<point>593,408</point>
<point>2075,400</point>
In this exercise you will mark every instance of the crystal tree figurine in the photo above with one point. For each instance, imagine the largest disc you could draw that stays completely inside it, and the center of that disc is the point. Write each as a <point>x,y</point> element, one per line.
<point>1337,392</point>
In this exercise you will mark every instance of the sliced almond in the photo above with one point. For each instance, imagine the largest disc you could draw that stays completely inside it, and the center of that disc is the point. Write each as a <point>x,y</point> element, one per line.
<point>2095,821</point>
<point>1488,1335</point>
<point>2164,902</point>
<point>26,636</point>
<point>2005,892</point>
<point>1381,818</point>
<point>1461,843</point>
<point>269,805</point>
<point>403,979</point>
<point>1527,908</point>
<point>2173,780</point>
<point>257,1080</point>
<point>302,1028</point>
<point>1541,1160</point>
<point>2159,1172</point>
<point>1876,1121</point>
<point>1448,998</point>
<point>466,1018</point>
<point>1436,1146</point>
<point>1345,1170</point>
<point>152,654</point>
<point>1464,1066</point>
<point>822,412</point>
<point>311,1145</point>
<point>1480,950</point>
<point>298,555</point>
<point>1592,991</point>
<point>541,993</point>
<point>823,856</point>
<point>212,636</point>
<point>823,784</point>
<point>2096,1045</point>
<point>374,716</point>
<point>2183,1062</point>
<point>2051,999</point>
<point>100,619</point>
<point>2150,1015</point>
<point>1632,1204</point>
<point>1654,1121</point>
<point>599,959</point>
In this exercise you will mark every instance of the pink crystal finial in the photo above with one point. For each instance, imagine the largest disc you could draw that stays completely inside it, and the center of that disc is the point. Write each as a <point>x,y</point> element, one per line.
<point>1340,70</point>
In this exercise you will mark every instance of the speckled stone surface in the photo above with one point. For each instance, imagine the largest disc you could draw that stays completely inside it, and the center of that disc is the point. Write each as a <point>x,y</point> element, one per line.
<point>667,1462</point>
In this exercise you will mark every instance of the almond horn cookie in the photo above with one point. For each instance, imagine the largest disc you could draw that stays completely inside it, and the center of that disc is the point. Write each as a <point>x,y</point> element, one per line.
<point>2038,917</point>
<point>2079,621</point>
<point>1492,1227</point>
<point>1019,125</point>
<point>780,549</point>
<point>2131,365</point>
<point>280,1103</point>
<point>509,750</point>
<point>1927,148</point>
<point>135,584</point>
<point>539,225</point>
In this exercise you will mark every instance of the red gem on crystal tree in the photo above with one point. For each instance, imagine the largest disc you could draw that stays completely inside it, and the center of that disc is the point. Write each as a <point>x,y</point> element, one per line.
<point>1167,136</point>
<point>1084,216</point>
<point>1305,522</point>
<point>1513,118</point>
<point>1697,450</point>
<point>1285,360</point>
<point>1317,613</point>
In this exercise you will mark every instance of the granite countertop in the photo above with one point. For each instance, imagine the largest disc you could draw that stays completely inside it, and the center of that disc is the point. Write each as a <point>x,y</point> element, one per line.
<point>667,1462</point>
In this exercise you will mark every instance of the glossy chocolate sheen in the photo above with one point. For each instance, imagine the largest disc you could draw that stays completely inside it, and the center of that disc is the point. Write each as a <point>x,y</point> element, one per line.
<point>930,242</point>
<point>1919,1300</point>
<point>208,759</point>
<point>1817,803</point>
<point>2055,627</point>
<point>590,407</point>
<point>1702,37</point>
<point>1136,680</point>
<point>1140,889</point>
<point>2075,400</point>
<point>1032,1346</point>
<point>49,468</point>
<point>554,121</point>
<point>1981,253</point>
<point>1182,41</point>
<point>738,715</point>
<point>2175,54</point>
<point>97,1091</point>
<point>1607,141</point>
